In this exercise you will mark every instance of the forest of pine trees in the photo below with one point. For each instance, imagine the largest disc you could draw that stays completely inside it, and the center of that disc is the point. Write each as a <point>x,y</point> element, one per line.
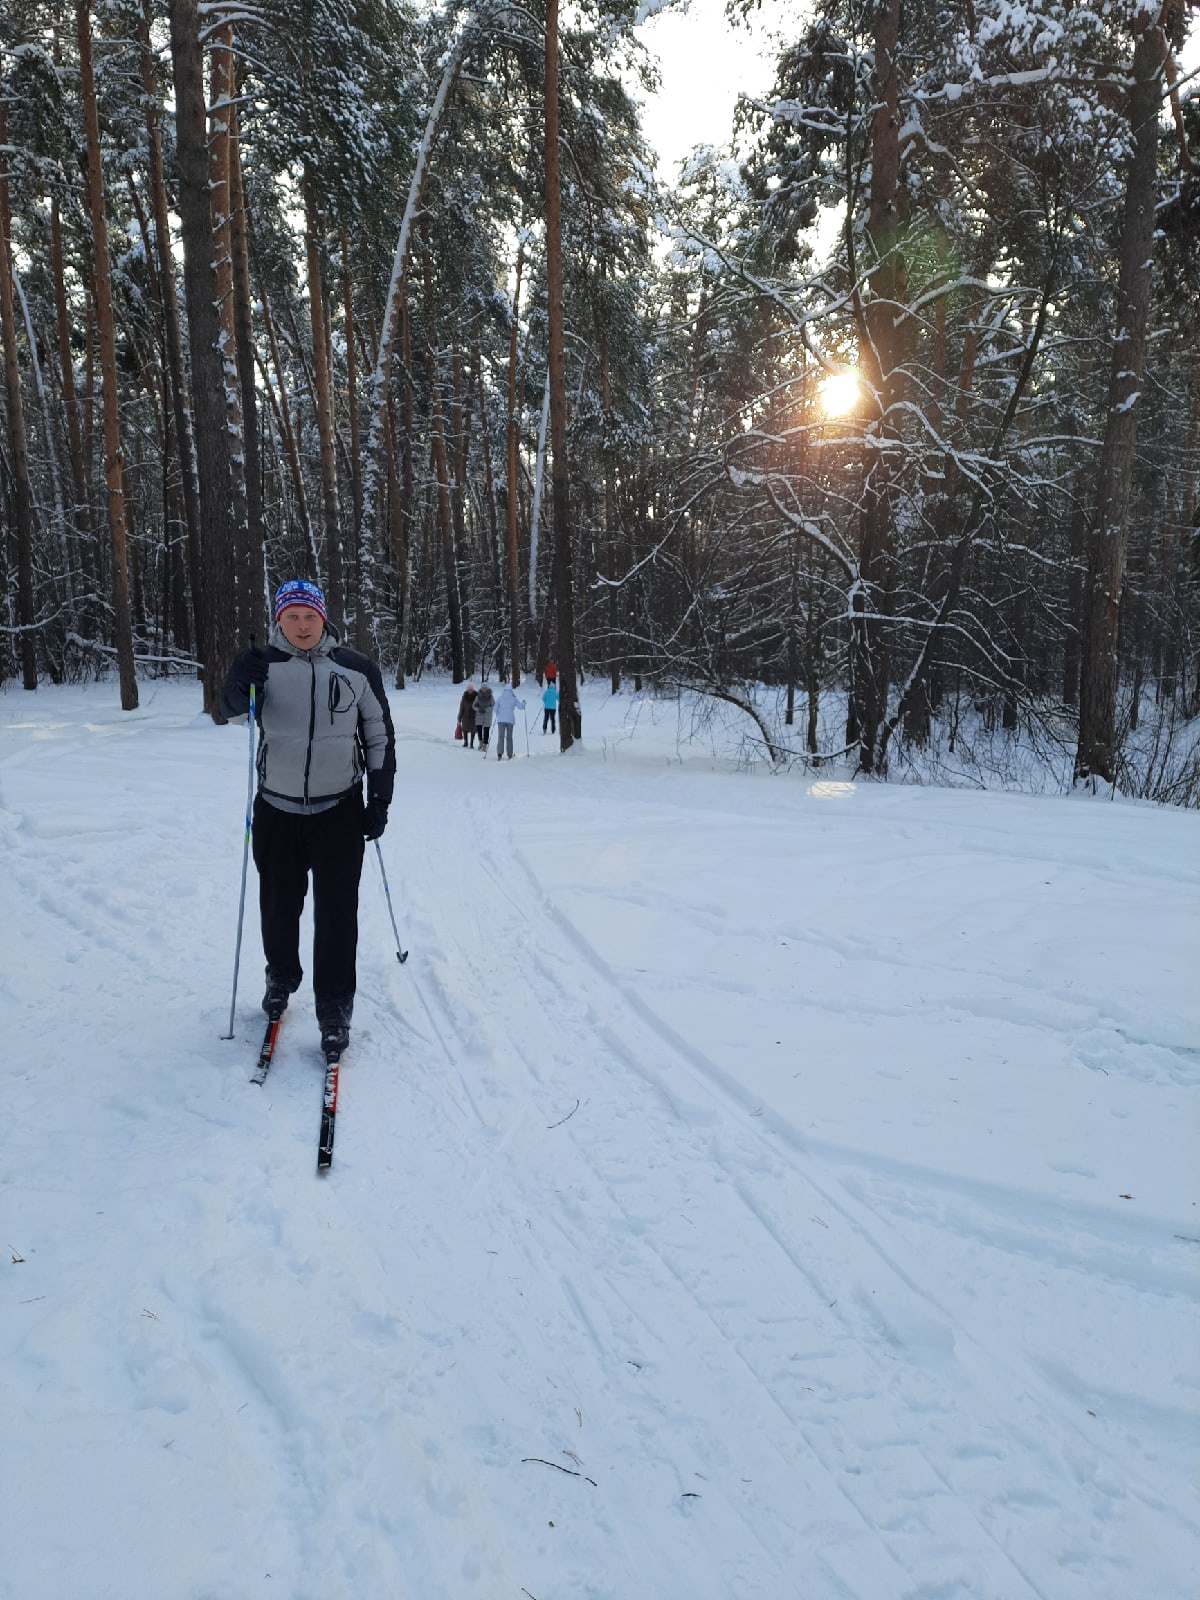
<point>890,406</point>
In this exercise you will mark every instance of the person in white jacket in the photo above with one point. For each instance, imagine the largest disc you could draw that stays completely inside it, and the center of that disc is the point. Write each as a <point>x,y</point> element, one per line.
<point>507,705</point>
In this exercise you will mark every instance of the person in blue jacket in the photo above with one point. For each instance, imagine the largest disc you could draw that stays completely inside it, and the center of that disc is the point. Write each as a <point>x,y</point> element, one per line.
<point>550,708</point>
<point>323,724</point>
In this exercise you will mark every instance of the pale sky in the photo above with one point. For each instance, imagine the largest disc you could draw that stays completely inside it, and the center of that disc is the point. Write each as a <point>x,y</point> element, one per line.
<point>706,63</point>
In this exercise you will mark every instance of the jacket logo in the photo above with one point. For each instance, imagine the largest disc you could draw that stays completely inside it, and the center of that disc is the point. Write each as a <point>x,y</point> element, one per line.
<point>342,695</point>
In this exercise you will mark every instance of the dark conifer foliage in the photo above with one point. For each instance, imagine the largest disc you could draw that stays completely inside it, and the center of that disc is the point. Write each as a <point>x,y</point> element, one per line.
<point>880,422</point>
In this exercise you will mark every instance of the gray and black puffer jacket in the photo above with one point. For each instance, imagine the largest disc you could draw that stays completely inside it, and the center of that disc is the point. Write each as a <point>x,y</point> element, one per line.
<point>323,721</point>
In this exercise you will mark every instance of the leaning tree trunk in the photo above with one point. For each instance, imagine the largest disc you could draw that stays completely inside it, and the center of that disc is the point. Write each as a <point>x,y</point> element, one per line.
<point>114,462</point>
<point>22,492</point>
<point>1096,755</point>
<point>382,377</point>
<point>570,723</point>
<point>214,469</point>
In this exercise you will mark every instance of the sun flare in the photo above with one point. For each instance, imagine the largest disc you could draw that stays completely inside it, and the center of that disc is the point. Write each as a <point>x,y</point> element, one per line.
<point>839,393</point>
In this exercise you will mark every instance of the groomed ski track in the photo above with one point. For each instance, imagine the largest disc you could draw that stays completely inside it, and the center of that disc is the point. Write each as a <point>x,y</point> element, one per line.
<point>581,1311</point>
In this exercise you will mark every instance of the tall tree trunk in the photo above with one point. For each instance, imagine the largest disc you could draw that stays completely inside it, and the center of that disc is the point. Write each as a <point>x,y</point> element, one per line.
<point>407,484</point>
<point>512,573</point>
<point>398,523</point>
<point>457,454</point>
<point>442,471</point>
<point>878,361</point>
<point>570,720</point>
<point>493,524</point>
<point>82,511</point>
<point>570,723</point>
<point>323,397</point>
<point>52,448</point>
<point>113,457</point>
<point>610,519</point>
<point>220,143</point>
<point>170,310</point>
<point>22,491</point>
<point>283,412</point>
<point>252,611</point>
<point>364,590</point>
<point>214,471</point>
<point>1096,754</point>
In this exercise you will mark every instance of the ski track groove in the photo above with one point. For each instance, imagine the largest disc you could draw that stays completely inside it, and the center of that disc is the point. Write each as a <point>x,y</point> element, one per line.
<point>631,1054</point>
<point>844,1204</point>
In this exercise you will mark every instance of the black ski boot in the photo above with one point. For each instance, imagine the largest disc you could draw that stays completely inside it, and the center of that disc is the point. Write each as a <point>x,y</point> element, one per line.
<point>275,1000</point>
<point>334,1041</point>
<point>333,1018</point>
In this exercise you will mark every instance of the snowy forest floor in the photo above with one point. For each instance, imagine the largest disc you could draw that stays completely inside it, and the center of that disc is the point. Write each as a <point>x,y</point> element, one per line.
<point>751,1188</point>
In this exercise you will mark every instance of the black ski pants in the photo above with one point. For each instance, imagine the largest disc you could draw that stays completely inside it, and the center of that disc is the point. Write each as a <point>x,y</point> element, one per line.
<point>330,845</point>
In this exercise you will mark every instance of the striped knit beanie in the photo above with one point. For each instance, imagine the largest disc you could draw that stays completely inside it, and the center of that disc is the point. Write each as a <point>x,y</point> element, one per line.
<point>299,592</point>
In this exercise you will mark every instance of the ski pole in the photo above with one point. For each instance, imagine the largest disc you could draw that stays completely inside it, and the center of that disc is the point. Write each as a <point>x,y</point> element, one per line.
<point>525,714</point>
<point>237,954</point>
<point>401,955</point>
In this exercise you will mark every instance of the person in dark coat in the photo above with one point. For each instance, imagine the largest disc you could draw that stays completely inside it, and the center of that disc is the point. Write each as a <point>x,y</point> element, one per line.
<point>323,724</point>
<point>485,710</point>
<point>466,716</point>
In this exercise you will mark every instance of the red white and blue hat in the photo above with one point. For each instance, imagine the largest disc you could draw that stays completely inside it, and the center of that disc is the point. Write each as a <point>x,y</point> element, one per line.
<point>299,592</point>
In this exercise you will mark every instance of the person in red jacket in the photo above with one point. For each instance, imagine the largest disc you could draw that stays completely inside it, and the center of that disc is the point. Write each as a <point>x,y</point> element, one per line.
<point>551,671</point>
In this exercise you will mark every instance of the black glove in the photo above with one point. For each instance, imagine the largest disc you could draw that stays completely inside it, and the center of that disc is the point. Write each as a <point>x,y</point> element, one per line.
<point>251,668</point>
<point>374,819</point>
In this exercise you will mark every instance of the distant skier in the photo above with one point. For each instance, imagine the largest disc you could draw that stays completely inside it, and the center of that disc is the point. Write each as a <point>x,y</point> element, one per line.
<point>550,708</point>
<point>485,706</point>
<point>550,670</point>
<point>507,706</point>
<point>323,721</point>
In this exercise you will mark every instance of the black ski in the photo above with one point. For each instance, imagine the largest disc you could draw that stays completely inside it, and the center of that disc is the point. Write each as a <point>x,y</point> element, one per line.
<point>267,1052</point>
<point>328,1115</point>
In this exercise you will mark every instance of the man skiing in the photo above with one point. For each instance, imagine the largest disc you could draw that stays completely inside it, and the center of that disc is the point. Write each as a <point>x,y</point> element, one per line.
<point>323,721</point>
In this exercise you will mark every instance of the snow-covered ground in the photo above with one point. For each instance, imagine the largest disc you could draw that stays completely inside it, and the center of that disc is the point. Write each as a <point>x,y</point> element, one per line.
<point>752,1188</point>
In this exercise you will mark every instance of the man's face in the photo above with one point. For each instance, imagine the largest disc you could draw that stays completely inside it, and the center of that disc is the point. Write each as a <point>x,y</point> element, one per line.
<point>302,626</point>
